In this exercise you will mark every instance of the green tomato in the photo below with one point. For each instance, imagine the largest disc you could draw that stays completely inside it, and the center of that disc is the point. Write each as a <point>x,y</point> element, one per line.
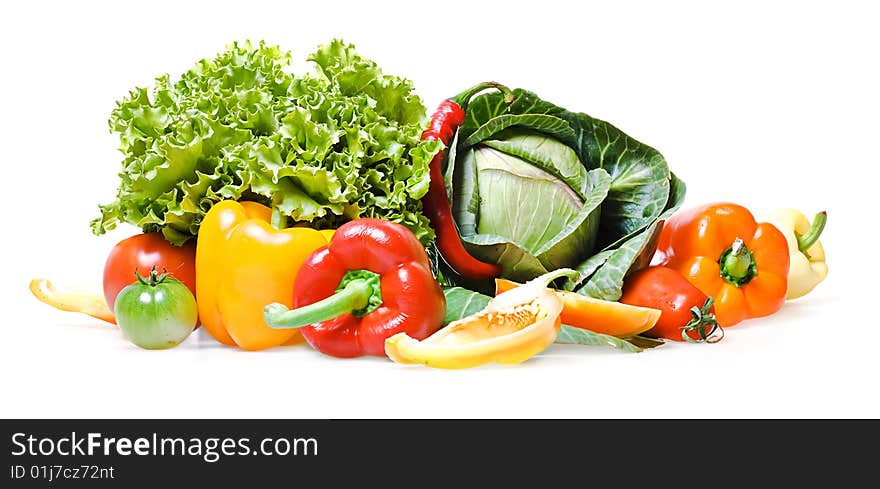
<point>157,312</point>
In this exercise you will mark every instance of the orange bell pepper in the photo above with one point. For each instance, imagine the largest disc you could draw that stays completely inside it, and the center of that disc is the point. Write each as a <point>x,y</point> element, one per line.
<point>721,250</point>
<point>242,264</point>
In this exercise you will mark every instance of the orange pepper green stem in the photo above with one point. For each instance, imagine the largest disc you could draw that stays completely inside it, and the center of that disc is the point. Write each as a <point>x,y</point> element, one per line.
<point>740,263</point>
<point>244,263</point>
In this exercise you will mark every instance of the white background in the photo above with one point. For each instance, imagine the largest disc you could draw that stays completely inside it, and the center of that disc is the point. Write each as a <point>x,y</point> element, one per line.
<point>766,104</point>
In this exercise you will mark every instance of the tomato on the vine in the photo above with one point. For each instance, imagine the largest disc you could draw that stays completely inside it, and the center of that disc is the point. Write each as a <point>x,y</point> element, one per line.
<point>156,312</point>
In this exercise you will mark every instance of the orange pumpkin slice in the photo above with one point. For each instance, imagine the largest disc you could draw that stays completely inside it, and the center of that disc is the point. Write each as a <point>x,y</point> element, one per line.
<point>606,317</point>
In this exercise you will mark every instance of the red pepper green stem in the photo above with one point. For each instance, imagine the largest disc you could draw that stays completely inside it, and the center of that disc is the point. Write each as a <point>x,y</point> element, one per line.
<point>359,293</point>
<point>738,264</point>
<point>808,239</point>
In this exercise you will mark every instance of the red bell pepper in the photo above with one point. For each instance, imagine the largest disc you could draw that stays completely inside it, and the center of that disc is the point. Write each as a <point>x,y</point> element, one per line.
<point>372,281</point>
<point>446,120</point>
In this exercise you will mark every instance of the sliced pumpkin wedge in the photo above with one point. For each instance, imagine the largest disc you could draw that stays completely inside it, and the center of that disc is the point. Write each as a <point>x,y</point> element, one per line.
<point>606,317</point>
<point>72,300</point>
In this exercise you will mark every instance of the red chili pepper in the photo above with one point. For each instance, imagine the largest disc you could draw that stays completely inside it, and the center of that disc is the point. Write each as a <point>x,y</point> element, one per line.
<point>372,281</point>
<point>448,117</point>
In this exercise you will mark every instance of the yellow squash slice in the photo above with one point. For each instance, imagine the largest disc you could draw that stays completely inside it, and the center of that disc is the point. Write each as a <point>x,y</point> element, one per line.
<point>514,327</point>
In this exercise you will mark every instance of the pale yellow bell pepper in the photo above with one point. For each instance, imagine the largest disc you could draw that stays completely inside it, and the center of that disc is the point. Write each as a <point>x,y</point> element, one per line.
<point>808,267</point>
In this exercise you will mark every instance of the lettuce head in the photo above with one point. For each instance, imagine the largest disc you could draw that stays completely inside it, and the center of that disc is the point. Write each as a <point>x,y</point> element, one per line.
<point>326,147</point>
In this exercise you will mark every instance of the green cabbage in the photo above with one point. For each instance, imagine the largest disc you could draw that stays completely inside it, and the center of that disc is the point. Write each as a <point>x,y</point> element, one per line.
<point>322,148</point>
<point>535,187</point>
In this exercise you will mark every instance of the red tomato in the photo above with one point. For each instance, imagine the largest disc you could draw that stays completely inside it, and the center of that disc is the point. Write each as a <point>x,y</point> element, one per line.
<point>143,252</point>
<point>683,306</point>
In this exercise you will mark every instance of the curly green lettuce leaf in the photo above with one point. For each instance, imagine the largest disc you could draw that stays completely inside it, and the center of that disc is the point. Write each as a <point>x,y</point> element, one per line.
<point>324,148</point>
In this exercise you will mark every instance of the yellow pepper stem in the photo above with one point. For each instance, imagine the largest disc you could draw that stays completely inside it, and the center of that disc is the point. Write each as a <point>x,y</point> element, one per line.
<point>808,239</point>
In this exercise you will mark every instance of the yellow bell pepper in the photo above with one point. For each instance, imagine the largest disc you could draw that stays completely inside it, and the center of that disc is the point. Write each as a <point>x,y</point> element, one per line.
<point>515,326</point>
<point>808,267</point>
<point>242,264</point>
